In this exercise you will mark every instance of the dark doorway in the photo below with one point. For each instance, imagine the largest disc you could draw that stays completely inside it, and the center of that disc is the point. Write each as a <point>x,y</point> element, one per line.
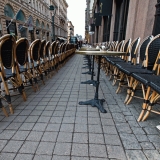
<point>120,20</point>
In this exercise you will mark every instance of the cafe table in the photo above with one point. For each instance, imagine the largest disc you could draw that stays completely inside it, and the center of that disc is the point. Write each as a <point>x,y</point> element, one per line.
<point>96,102</point>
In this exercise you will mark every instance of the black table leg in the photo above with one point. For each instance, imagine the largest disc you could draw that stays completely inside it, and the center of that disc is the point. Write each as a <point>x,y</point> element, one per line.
<point>93,82</point>
<point>96,102</point>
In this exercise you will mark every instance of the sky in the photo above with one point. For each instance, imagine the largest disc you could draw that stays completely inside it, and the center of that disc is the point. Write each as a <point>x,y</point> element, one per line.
<point>76,14</point>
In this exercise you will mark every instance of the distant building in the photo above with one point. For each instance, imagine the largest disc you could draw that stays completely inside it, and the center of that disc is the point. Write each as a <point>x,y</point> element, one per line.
<point>70,29</point>
<point>116,20</point>
<point>33,18</point>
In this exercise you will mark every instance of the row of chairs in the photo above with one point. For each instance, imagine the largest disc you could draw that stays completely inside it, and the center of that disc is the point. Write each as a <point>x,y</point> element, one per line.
<point>138,70</point>
<point>23,64</point>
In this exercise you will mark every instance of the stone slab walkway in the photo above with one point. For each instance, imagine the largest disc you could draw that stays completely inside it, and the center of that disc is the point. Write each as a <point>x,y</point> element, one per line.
<point>51,125</point>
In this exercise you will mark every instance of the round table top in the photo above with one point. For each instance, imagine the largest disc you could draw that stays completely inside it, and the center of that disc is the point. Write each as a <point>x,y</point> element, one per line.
<point>101,53</point>
<point>89,49</point>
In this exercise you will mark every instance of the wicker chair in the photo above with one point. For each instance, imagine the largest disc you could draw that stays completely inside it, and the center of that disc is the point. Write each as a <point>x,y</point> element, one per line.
<point>52,52</point>
<point>152,50</point>
<point>22,60</point>
<point>35,65</point>
<point>9,72</point>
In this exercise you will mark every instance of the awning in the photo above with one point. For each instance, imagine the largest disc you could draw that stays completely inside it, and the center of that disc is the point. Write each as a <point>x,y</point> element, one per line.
<point>61,39</point>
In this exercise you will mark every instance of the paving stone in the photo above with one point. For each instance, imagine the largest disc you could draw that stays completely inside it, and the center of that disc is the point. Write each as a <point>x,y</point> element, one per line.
<point>93,158</point>
<point>81,114</point>
<point>80,138</point>
<point>79,158</point>
<point>135,154</point>
<point>150,130</point>
<point>81,120</point>
<point>29,147</point>
<point>68,120</point>
<point>107,122</point>
<point>62,149</point>
<point>79,149</point>
<point>96,138</point>
<point>20,135</point>
<point>58,113</point>
<point>64,137</point>
<point>13,146</point>
<point>2,144</point>
<point>94,121</point>
<point>49,136</point>
<point>40,127</point>
<point>42,157</point>
<point>142,138</point>
<point>67,128</point>
<point>119,117</point>
<point>152,154</point>
<point>32,119</point>
<point>47,113</point>
<point>112,139</point>
<point>25,112</point>
<point>80,128</point>
<point>45,148</point>
<point>56,157</point>
<point>43,119</point>
<point>7,156</point>
<point>53,127</point>
<point>35,136</point>
<point>24,156</point>
<point>116,152</point>
<point>95,128</point>
<point>70,114</point>
<point>36,113</point>
<point>123,128</point>
<point>129,141</point>
<point>97,150</point>
<point>109,130</point>
<point>7,134</point>
<point>27,126</point>
<point>20,119</point>
<point>147,145</point>
<point>14,126</point>
<point>56,119</point>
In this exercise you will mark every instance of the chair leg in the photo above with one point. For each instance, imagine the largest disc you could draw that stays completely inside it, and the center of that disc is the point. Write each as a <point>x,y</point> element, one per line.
<point>154,97</point>
<point>120,83</point>
<point>11,109</point>
<point>132,92</point>
<point>129,90</point>
<point>4,111</point>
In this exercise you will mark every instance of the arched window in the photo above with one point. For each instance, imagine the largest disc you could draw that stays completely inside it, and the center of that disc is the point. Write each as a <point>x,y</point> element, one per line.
<point>47,26</point>
<point>37,23</point>
<point>42,25</point>
<point>20,16</point>
<point>8,11</point>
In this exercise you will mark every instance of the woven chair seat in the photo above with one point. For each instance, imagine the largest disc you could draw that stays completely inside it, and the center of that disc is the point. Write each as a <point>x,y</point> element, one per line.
<point>155,83</point>
<point>144,78</point>
<point>8,73</point>
<point>22,69</point>
<point>113,60</point>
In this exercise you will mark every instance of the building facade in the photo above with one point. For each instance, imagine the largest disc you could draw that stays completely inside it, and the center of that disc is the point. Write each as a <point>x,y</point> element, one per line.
<point>70,29</point>
<point>116,20</point>
<point>33,18</point>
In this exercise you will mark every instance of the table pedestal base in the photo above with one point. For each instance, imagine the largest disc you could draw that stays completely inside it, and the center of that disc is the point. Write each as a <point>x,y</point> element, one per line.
<point>93,82</point>
<point>89,72</point>
<point>95,103</point>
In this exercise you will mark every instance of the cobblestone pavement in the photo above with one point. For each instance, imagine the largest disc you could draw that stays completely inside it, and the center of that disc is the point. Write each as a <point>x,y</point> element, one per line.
<point>51,125</point>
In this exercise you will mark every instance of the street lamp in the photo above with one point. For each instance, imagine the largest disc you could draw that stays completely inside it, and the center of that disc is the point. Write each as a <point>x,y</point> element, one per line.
<point>52,8</point>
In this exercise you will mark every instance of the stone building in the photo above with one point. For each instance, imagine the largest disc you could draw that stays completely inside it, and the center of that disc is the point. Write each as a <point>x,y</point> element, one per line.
<point>70,29</point>
<point>33,18</point>
<point>123,19</point>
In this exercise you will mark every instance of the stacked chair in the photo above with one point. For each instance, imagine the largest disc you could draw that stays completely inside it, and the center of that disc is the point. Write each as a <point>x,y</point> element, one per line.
<point>142,75</point>
<point>23,65</point>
